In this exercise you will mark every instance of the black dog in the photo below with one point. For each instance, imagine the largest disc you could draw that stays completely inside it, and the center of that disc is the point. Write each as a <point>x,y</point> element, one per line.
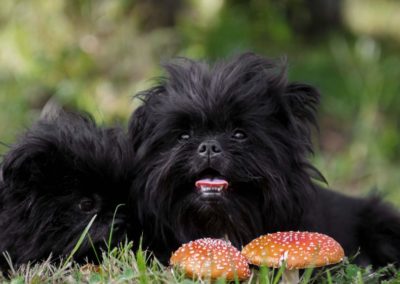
<point>61,173</point>
<point>224,153</point>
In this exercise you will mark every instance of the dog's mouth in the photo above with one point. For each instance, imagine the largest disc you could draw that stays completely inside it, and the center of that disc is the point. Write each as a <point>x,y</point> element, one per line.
<point>211,182</point>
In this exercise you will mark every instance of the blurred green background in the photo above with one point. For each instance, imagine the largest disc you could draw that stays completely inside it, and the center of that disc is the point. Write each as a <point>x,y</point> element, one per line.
<point>94,55</point>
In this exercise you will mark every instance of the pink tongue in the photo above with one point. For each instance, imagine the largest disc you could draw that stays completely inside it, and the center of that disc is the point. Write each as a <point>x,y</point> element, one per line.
<point>212,183</point>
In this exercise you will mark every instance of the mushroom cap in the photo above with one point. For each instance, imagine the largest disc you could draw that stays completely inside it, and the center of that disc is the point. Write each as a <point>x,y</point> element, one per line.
<point>211,258</point>
<point>298,249</point>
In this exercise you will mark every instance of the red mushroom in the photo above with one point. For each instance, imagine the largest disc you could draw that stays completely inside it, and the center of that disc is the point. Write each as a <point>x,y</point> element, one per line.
<point>298,250</point>
<point>211,258</point>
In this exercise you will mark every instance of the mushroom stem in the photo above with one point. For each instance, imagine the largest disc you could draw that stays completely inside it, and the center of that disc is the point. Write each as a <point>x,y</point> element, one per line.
<point>290,276</point>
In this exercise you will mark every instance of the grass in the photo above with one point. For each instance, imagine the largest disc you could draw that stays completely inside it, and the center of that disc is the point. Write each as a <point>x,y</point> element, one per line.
<point>123,265</point>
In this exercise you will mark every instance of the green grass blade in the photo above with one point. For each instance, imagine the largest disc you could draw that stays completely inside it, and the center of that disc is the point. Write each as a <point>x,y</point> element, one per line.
<point>221,280</point>
<point>112,228</point>
<point>141,265</point>
<point>329,277</point>
<point>264,275</point>
<point>278,276</point>
<point>94,248</point>
<point>359,278</point>
<point>79,242</point>
<point>307,275</point>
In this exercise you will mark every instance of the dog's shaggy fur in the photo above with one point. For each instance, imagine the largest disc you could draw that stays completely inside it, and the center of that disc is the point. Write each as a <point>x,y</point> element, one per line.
<point>61,173</point>
<point>241,121</point>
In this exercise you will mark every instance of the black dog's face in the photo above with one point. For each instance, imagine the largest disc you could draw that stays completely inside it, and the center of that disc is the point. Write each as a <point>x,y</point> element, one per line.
<point>64,202</point>
<point>223,149</point>
<point>55,180</point>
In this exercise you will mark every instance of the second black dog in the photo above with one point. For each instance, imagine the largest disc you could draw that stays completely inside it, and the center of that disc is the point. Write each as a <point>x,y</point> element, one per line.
<point>223,153</point>
<point>60,174</point>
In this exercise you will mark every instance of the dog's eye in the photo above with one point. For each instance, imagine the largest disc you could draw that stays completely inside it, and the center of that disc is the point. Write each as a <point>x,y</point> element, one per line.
<point>239,135</point>
<point>87,205</point>
<point>184,136</point>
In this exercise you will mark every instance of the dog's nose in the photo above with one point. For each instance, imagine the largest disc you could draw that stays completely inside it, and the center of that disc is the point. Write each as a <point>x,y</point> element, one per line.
<point>209,148</point>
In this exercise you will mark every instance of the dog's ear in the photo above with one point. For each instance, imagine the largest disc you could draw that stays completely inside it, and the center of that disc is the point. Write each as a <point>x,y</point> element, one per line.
<point>32,163</point>
<point>302,101</point>
<point>51,110</point>
<point>140,121</point>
